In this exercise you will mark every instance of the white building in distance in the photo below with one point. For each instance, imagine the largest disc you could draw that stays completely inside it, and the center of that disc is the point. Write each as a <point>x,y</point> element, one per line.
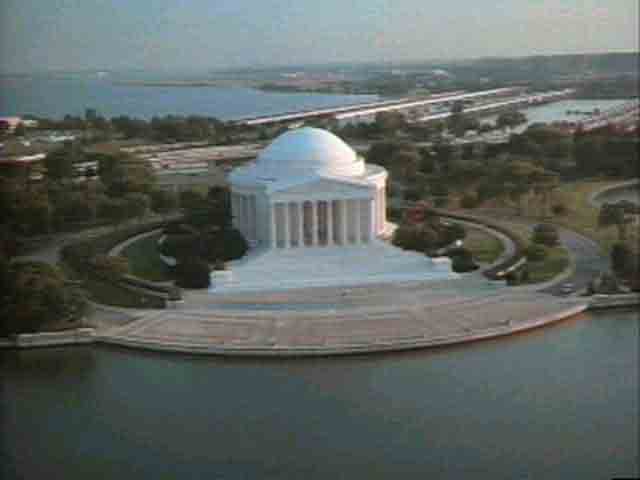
<point>309,189</point>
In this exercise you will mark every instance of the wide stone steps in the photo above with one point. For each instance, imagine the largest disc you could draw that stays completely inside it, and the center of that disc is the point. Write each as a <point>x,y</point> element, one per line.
<point>328,266</point>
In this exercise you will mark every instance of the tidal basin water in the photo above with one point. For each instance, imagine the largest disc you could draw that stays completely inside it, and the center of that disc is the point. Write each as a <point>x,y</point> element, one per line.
<point>555,403</point>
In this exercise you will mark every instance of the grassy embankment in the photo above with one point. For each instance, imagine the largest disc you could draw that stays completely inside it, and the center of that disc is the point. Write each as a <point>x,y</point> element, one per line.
<point>485,247</point>
<point>582,217</point>
<point>144,261</point>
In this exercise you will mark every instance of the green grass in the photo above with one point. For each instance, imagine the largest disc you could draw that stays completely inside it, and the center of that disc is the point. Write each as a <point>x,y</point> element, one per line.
<point>485,247</point>
<point>144,260</point>
<point>556,262</point>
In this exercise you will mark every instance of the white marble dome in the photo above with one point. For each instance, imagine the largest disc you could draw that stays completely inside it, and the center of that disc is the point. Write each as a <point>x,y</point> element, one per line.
<point>308,151</point>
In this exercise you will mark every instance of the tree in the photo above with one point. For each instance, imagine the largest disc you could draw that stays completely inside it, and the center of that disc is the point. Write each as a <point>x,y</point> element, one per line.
<point>112,209</point>
<point>510,119</point>
<point>137,204</point>
<point>621,257</point>
<point>614,214</point>
<point>163,201</point>
<point>405,162</point>
<point>536,252</point>
<point>390,122</point>
<point>35,294</point>
<point>59,163</point>
<point>20,130</point>
<point>545,234</point>
<point>461,260</point>
<point>193,273</point>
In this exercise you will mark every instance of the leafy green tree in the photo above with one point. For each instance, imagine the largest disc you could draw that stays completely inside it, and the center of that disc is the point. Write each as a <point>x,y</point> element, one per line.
<point>34,295</point>
<point>616,215</point>
<point>137,204</point>
<point>545,234</point>
<point>20,130</point>
<point>621,257</point>
<point>193,273</point>
<point>163,201</point>
<point>536,252</point>
<point>510,119</point>
<point>59,163</point>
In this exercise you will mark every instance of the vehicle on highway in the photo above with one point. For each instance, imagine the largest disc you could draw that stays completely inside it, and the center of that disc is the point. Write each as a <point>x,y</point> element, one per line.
<point>567,288</point>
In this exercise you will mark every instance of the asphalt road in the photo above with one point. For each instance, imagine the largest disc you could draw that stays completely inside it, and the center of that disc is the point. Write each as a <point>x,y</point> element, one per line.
<point>588,258</point>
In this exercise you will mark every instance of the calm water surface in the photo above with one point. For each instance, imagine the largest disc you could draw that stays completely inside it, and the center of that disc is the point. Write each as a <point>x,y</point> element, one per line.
<point>57,97</point>
<point>561,402</point>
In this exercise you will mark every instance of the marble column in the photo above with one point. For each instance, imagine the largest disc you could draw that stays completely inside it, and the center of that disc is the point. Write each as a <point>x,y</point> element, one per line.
<point>344,234</point>
<point>245,216</point>
<point>372,220</point>
<point>300,212</point>
<point>287,233</point>
<point>358,221</point>
<point>274,231</point>
<point>314,224</point>
<point>329,214</point>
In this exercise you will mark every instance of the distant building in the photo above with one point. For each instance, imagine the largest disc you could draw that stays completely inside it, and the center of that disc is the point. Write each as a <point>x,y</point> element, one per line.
<point>11,123</point>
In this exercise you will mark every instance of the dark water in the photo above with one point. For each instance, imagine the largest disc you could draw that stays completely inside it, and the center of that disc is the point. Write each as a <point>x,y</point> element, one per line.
<point>558,403</point>
<point>55,98</point>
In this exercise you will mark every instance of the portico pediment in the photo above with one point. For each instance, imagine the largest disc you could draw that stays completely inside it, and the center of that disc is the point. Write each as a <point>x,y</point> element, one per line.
<point>324,188</point>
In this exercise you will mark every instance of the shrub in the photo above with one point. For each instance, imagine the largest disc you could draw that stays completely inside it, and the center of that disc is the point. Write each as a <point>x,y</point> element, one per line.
<point>559,209</point>
<point>412,194</point>
<point>110,267</point>
<point>177,228</point>
<point>452,232</point>
<point>179,246</point>
<point>416,238</point>
<point>225,245</point>
<point>440,202</point>
<point>621,257</point>
<point>536,252</point>
<point>545,234</point>
<point>469,201</point>
<point>163,201</point>
<point>461,260</point>
<point>193,273</point>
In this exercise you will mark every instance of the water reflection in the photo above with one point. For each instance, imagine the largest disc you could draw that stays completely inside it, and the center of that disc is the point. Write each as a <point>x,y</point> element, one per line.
<point>559,402</point>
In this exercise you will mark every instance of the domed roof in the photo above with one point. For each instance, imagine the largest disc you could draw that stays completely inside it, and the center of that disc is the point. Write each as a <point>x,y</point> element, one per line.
<point>308,151</point>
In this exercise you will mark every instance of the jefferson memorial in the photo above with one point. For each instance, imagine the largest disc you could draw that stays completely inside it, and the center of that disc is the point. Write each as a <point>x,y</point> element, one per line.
<point>309,189</point>
<point>314,214</point>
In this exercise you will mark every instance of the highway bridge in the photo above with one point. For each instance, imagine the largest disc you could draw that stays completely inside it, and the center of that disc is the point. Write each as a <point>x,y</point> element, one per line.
<point>521,101</point>
<point>368,109</point>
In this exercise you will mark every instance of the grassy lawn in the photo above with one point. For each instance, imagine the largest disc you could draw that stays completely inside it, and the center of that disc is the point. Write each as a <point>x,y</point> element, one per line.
<point>581,216</point>
<point>555,263</point>
<point>485,247</point>
<point>144,261</point>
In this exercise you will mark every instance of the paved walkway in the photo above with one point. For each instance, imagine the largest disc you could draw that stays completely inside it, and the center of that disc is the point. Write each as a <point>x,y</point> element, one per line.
<point>446,319</point>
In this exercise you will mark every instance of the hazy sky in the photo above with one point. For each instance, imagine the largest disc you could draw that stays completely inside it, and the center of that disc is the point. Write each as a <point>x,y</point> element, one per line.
<point>109,34</point>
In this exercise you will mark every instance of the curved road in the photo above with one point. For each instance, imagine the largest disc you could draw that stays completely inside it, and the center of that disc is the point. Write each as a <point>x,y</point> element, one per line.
<point>588,258</point>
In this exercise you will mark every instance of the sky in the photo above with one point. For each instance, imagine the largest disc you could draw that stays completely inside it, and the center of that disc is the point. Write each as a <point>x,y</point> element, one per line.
<point>38,35</point>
